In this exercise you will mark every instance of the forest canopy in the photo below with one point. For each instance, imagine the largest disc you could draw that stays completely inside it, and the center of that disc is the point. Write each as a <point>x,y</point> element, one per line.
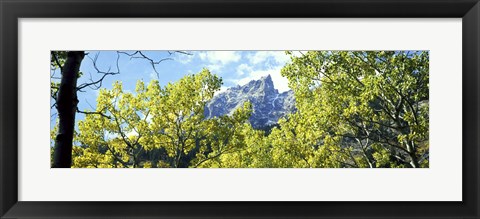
<point>353,109</point>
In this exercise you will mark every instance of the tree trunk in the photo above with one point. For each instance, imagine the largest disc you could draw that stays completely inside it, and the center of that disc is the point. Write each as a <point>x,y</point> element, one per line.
<point>67,107</point>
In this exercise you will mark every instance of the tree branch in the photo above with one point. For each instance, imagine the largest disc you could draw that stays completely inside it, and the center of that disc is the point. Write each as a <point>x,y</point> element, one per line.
<point>98,83</point>
<point>93,113</point>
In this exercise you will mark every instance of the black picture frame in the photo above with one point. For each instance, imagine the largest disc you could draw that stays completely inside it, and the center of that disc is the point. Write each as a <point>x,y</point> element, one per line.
<point>12,10</point>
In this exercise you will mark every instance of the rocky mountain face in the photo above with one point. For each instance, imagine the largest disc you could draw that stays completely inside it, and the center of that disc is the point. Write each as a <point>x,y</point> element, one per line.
<point>268,104</point>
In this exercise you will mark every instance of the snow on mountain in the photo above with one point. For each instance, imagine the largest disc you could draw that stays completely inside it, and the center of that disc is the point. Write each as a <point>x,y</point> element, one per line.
<point>268,104</point>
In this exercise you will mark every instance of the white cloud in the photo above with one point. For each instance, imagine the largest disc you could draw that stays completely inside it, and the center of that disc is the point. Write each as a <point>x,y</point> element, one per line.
<point>263,56</point>
<point>220,57</point>
<point>216,60</point>
<point>222,89</point>
<point>263,63</point>
<point>214,68</point>
<point>184,58</point>
<point>243,68</point>
<point>257,64</point>
<point>279,82</point>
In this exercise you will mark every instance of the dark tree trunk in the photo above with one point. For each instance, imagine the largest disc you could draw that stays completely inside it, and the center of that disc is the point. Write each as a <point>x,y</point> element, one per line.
<point>67,107</point>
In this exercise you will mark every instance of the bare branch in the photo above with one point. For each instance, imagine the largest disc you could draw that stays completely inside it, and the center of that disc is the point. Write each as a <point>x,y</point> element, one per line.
<point>153,63</point>
<point>98,83</point>
<point>181,52</point>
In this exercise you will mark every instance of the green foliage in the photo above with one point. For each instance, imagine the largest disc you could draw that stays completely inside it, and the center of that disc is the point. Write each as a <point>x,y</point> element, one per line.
<point>167,122</point>
<point>57,59</point>
<point>354,109</point>
<point>361,107</point>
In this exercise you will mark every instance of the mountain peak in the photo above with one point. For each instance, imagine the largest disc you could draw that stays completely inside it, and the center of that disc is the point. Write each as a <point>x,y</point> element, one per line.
<point>265,84</point>
<point>267,78</point>
<point>262,85</point>
<point>268,81</point>
<point>268,104</point>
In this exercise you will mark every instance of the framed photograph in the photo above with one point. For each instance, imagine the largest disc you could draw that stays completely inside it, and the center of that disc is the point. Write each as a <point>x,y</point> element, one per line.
<point>255,109</point>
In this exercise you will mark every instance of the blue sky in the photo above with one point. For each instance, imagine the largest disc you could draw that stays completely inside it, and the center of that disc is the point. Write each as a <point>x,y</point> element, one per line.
<point>235,68</point>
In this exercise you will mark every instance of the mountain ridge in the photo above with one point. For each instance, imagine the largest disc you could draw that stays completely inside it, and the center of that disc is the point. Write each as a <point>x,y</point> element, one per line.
<point>268,103</point>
